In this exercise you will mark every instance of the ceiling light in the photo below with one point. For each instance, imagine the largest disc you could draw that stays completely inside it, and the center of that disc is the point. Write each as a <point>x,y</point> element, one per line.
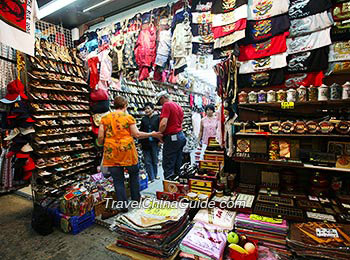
<point>53,6</point>
<point>96,5</point>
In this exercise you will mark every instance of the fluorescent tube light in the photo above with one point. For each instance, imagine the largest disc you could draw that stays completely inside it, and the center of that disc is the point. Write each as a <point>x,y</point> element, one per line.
<point>53,6</point>
<point>96,5</point>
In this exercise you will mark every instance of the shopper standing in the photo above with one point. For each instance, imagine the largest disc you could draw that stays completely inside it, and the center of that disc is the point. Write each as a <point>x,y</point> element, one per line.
<point>116,133</point>
<point>174,139</point>
<point>208,127</point>
<point>150,146</point>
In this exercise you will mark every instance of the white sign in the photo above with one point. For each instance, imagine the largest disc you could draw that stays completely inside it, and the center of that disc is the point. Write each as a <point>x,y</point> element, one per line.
<point>326,232</point>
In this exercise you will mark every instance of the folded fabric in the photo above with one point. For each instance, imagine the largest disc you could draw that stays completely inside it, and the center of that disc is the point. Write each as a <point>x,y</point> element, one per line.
<point>229,39</point>
<point>224,6</point>
<point>261,79</point>
<point>308,61</point>
<point>207,239</point>
<point>270,47</point>
<point>340,33</point>
<point>259,10</point>
<point>194,255</point>
<point>225,30</point>
<point>339,51</point>
<point>304,8</point>
<point>309,42</point>
<point>263,64</point>
<point>341,11</point>
<point>216,216</point>
<point>262,30</point>
<point>311,24</point>
<point>230,17</point>
<point>304,79</point>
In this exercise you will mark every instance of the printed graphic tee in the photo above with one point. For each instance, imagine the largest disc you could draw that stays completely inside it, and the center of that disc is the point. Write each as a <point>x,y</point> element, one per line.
<point>304,79</point>
<point>262,30</point>
<point>304,8</point>
<point>231,17</point>
<point>263,9</point>
<point>224,6</point>
<point>225,30</point>
<point>308,61</point>
<point>339,51</point>
<point>261,79</point>
<point>263,64</point>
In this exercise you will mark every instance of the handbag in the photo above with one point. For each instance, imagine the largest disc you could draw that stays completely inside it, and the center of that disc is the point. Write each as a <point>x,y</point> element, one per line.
<point>42,221</point>
<point>100,94</point>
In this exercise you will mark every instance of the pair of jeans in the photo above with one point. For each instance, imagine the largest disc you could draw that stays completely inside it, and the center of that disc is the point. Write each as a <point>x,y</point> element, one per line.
<point>117,173</point>
<point>151,160</point>
<point>172,154</point>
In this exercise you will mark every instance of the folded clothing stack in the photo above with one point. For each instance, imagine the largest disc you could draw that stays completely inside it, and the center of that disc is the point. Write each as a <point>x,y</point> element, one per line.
<point>155,231</point>
<point>204,241</point>
<point>330,241</point>
<point>269,232</point>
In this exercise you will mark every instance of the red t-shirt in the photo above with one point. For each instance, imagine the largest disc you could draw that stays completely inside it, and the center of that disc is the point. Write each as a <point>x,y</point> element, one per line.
<point>175,116</point>
<point>270,47</point>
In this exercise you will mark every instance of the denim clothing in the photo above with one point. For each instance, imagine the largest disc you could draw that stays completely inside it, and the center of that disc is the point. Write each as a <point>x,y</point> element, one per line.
<point>117,173</point>
<point>172,154</point>
<point>151,160</point>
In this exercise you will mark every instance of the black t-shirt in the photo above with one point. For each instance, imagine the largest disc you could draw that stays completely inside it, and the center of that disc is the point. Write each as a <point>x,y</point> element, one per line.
<point>261,79</point>
<point>202,48</point>
<point>224,6</point>
<point>224,52</point>
<point>149,125</point>
<point>303,8</point>
<point>259,31</point>
<point>340,34</point>
<point>308,61</point>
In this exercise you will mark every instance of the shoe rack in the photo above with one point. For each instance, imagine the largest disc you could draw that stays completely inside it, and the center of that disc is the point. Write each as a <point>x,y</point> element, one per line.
<point>59,97</point>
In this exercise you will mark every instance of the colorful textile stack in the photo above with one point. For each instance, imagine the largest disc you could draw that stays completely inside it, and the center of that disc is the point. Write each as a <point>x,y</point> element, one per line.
<point>155,231</point>
<point>204,241</point>
<point>268,231</point>
<point>216,216</point>
<point>320,240</point>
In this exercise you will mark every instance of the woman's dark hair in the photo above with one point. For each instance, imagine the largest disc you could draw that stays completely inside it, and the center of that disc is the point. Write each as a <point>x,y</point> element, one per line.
<point>148,104</point>
<point>210,107</point>
<point>120,102</point>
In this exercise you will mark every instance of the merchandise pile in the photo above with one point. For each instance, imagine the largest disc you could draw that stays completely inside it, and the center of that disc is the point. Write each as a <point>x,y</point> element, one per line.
<point>330,241</point>
<point>154,230</point>
<point>270,232</point>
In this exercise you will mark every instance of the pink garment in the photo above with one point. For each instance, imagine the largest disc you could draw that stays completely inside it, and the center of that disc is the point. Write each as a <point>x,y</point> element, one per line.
<point>209,128</point>
<point>105,65</point>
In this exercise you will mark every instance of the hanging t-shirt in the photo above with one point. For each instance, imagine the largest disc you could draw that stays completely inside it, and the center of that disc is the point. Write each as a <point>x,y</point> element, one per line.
<point>310,24</point>
<point>224,6</point>
<point>226,51</point>
<point>261,79</point>
<point>308,42</point>
<point>231,17</point>
<point>259,10</point>
<point>341,11</point>
<point>339,51</point>
<point>308,61</point>
<point>263,64</point>
<point>304,8</point>
<point>258,31</point>
<point>229,39</point>
<point>270,47</point>
<point>202,49</point>
<point>304,79</point>
<point>340,32</point>
<point>201,5</point>
<point>225,30</point>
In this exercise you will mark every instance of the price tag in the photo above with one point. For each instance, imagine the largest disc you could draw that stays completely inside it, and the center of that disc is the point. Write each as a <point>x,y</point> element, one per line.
<point>327,232</point>
<point>287,105</point>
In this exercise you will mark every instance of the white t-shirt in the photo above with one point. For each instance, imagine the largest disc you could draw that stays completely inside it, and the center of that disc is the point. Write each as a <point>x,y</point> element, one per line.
<point>260,9</point>
<point>229,39</point>
<point>339,51</point>
<point>230,17</point>
<point>309,42</point>
<point>313,23</point>
<point>263,64</point>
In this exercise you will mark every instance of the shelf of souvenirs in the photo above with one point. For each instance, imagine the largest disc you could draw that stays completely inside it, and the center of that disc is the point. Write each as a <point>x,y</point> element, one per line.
<point>52,51</point>
<point>56,98</point>
<point>75,139</point>
<point>291,105</point>
<point>65,131</point>
<point>58,87</point>
<point>132,93</point>
<point>57,149</point>
<point>37,64</point>
<point>62,169</point>
<point>62,115</point>
<point>176,87</point>
<point>269,134</point>
<point>56,78</point>
<point>290,163</point>
<point>54,124</point>
<point>46,107</point>
<point>55,161</point>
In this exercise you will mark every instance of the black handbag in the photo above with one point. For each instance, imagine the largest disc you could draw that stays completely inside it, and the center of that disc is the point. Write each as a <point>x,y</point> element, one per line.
<point>42,220</point>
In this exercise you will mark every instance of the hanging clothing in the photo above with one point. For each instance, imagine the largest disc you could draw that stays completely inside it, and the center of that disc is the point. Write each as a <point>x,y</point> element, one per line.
<point>196,123</point>
<point>164,48</point>
<point>181,44</point>
<point>105,65</point>
<point>94,75</point>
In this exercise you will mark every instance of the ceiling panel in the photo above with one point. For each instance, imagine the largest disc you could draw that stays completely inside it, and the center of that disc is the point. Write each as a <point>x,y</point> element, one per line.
<point>72,15</point>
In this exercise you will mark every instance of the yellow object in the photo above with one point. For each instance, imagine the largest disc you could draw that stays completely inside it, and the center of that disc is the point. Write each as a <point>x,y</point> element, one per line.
<point>287,105</point>
<point>119,146</point>
<point>266,219</point>
<point>238,248</point>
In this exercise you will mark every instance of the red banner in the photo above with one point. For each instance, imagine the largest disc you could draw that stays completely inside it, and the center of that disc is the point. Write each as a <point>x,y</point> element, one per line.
<point>14,13</point>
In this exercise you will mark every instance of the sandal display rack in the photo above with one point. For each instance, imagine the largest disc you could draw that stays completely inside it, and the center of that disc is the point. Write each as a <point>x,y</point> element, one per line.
<point>59,98</point>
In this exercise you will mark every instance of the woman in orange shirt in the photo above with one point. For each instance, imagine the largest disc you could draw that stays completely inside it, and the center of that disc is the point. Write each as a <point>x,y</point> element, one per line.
<point>116,133</point>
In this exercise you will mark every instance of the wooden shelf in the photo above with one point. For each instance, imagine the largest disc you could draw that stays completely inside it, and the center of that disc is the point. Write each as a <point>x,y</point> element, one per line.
<point>268,134</point>
<point>290,164</point>
<point>277,105</point>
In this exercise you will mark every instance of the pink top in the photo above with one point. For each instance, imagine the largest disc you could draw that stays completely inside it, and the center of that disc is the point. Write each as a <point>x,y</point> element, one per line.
<point>209,128</point>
